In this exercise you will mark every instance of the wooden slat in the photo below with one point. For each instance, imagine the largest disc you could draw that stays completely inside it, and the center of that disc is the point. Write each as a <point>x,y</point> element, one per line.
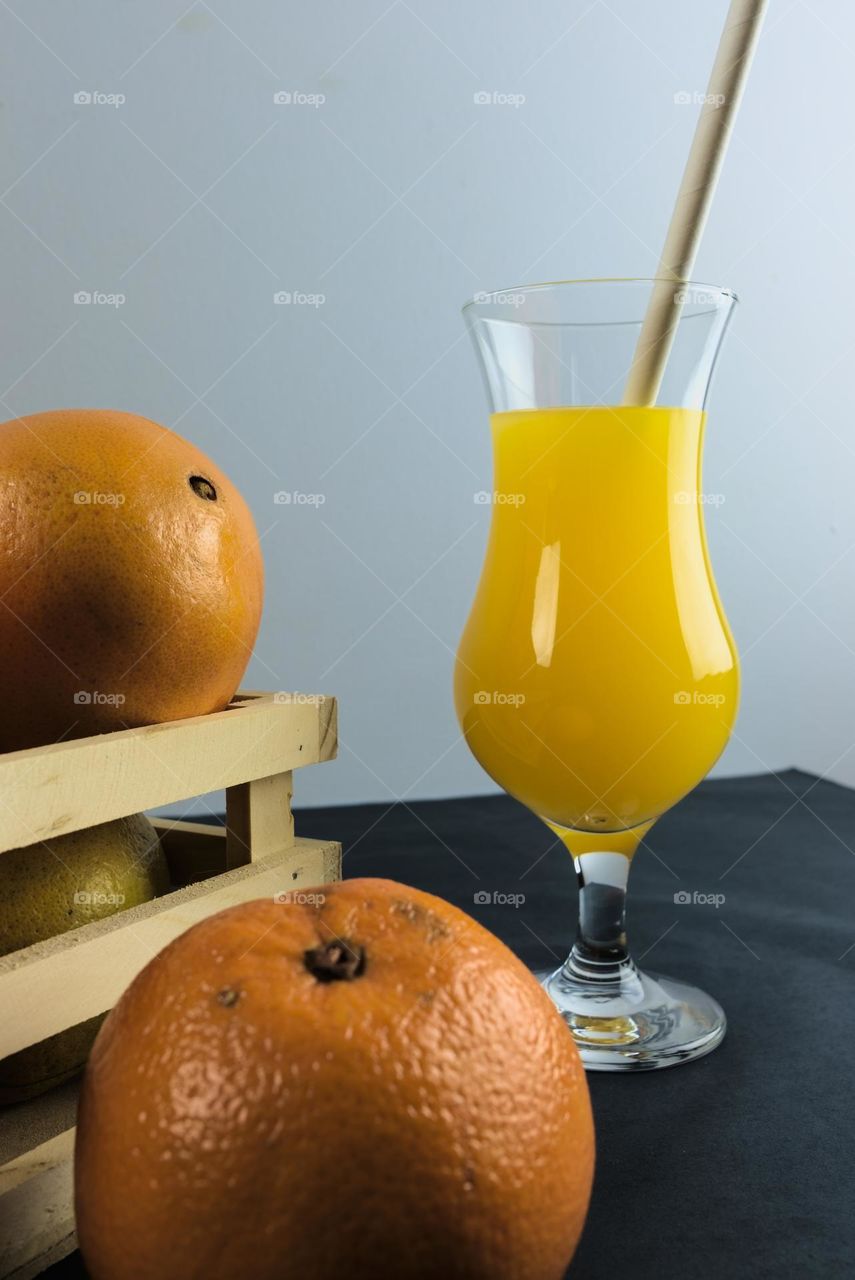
<point>37,1207</point>
<point>49,791</point>
<point>66,979</point>
<point>35,1162</point>
<point>259,821</point>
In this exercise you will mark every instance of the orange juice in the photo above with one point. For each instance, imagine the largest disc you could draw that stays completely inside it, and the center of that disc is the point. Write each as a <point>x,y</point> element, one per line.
<point>596,679</point>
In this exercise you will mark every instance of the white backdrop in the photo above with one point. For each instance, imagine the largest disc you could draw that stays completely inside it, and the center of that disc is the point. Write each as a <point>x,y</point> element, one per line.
<point>146,161</point>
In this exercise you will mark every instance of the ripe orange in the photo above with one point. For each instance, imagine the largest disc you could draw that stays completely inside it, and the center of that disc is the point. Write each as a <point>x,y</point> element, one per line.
<point>370,1085</point>
<point>131,578</point>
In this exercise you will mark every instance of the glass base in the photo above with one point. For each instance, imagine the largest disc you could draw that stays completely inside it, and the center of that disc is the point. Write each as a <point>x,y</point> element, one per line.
<point>644,1023</point>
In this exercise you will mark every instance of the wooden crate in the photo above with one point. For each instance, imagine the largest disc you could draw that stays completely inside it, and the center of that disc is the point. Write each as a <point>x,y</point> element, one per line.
<point>250,750</point>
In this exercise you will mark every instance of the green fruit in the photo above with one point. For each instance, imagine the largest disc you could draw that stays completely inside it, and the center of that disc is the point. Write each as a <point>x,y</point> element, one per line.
<point>61,884</point>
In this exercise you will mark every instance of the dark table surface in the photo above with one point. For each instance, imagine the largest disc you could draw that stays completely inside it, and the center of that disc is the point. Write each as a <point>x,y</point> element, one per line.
<point>741,1164</point>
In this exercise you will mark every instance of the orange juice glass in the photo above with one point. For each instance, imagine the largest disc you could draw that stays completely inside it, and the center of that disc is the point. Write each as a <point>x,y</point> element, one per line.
<point>597,680</point>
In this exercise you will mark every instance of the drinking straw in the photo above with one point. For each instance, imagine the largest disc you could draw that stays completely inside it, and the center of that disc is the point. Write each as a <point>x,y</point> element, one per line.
<point>718,112</point>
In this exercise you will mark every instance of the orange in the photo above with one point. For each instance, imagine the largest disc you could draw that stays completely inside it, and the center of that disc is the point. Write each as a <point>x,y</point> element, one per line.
<point>131,578</point>
<point>359,1082</point>
<point>63,883</point>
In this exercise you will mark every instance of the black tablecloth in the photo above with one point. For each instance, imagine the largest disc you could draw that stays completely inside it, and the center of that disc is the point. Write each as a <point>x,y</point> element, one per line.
<point>741,1164</point>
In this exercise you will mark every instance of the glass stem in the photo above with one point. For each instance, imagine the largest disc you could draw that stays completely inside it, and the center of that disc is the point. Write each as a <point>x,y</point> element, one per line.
<point>600,957</point>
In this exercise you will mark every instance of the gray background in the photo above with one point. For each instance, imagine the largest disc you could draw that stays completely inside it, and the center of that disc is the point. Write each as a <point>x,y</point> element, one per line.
<point>198,198</point>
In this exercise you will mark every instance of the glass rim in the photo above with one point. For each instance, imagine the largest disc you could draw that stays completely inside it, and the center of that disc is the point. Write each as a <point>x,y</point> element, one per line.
<point>485,299</point>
